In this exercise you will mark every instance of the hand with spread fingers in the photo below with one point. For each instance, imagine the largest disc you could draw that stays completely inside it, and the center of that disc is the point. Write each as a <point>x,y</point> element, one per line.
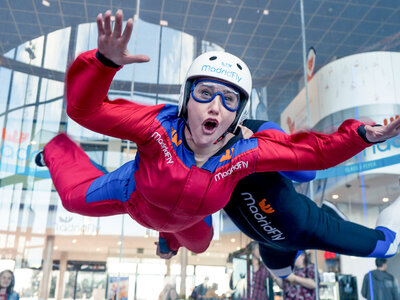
<point>112,43</point>
<point>382,133</point>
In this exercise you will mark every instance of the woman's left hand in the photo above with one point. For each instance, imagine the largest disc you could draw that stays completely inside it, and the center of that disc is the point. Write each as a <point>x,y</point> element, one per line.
<point>382,133</point>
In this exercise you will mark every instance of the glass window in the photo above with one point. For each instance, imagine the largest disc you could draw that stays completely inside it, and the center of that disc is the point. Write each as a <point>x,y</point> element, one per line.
<point>33,255</point>
<point>51,90</point>
<point>149,286</point>
<point>5,77</point>
<point>6,208</point>
<point>56,54</point>
<point>24,145</point>
<point>77,131</point>
<point>48,122</point>
<point>15,208</point>
<point>39,207</point>
<point>10,149</point>
<point>70,224</point>
<point>148,37</point>
<point>31,52</point>
<point>18,90</point>
<point>86,37</point>
<point>170,58</point>
<point>10,54</point>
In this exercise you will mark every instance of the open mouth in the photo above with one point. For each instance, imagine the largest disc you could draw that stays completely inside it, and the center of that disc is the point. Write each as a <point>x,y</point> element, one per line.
<point>210,125</point>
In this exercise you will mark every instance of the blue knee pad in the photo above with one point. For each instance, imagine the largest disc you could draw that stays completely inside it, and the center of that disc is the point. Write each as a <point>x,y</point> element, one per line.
<point>383,246</point>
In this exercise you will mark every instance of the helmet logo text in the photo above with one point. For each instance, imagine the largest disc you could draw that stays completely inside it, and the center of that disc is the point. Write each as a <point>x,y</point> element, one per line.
<point>230,74</point>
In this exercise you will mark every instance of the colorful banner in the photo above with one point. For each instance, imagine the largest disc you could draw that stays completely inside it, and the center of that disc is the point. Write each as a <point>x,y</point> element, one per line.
<point>118,282</point>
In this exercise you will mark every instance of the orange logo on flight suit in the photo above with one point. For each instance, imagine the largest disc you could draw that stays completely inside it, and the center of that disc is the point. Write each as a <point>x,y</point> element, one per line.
<point>227,155</point>
<point>174,136</point>
<point>266,207</point>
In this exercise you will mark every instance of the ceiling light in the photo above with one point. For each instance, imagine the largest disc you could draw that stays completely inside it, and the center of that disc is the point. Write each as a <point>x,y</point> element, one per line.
<point>55,247</point>
<point>46,3</point>
<point>146,236</point>
<point>266,12</point>
<point>74,241</point>
<point>229,20</point>
<point>163,22</point>
<point>335,196</point>
<point>238,248</point>
<point>33,142</point>
<point>385,199</point>
<point>233,240</point>
<point>119,243</point>
<point>97,249</point>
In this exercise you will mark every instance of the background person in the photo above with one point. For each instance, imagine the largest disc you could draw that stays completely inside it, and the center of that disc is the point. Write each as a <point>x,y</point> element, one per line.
<point>211,293</point>
<point>7,282</point>
<point>169,291</point>
<point>379,284</point>
<point>300,284</point>
<point>200,290</point>
<point>262,283</point>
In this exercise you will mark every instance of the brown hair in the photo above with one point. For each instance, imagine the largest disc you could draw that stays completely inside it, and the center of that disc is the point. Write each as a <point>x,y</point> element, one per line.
<point>10,288</point>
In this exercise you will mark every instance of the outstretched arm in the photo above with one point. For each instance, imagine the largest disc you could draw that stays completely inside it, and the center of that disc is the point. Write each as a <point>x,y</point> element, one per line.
<point>88,81</point>
<point>308,283</point>
<point>376,134</point>
<point>314,151</point>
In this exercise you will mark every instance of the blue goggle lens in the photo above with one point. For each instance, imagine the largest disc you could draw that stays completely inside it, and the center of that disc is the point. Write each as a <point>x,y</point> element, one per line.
<point>206,90</point>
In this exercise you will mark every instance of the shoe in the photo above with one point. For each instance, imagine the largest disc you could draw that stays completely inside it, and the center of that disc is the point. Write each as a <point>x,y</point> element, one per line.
<point>331,209</point>
<point>389,221</point>
<point>39,159</point>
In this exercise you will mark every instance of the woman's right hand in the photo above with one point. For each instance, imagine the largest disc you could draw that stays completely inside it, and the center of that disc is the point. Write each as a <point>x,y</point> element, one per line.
<point>113,43</point>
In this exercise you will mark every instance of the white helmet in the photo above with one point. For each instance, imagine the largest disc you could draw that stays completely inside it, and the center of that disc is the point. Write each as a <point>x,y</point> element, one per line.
<point>223,66</point>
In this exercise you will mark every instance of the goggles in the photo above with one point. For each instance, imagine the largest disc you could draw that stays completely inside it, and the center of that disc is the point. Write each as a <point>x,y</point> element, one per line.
<point>205,90</point>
